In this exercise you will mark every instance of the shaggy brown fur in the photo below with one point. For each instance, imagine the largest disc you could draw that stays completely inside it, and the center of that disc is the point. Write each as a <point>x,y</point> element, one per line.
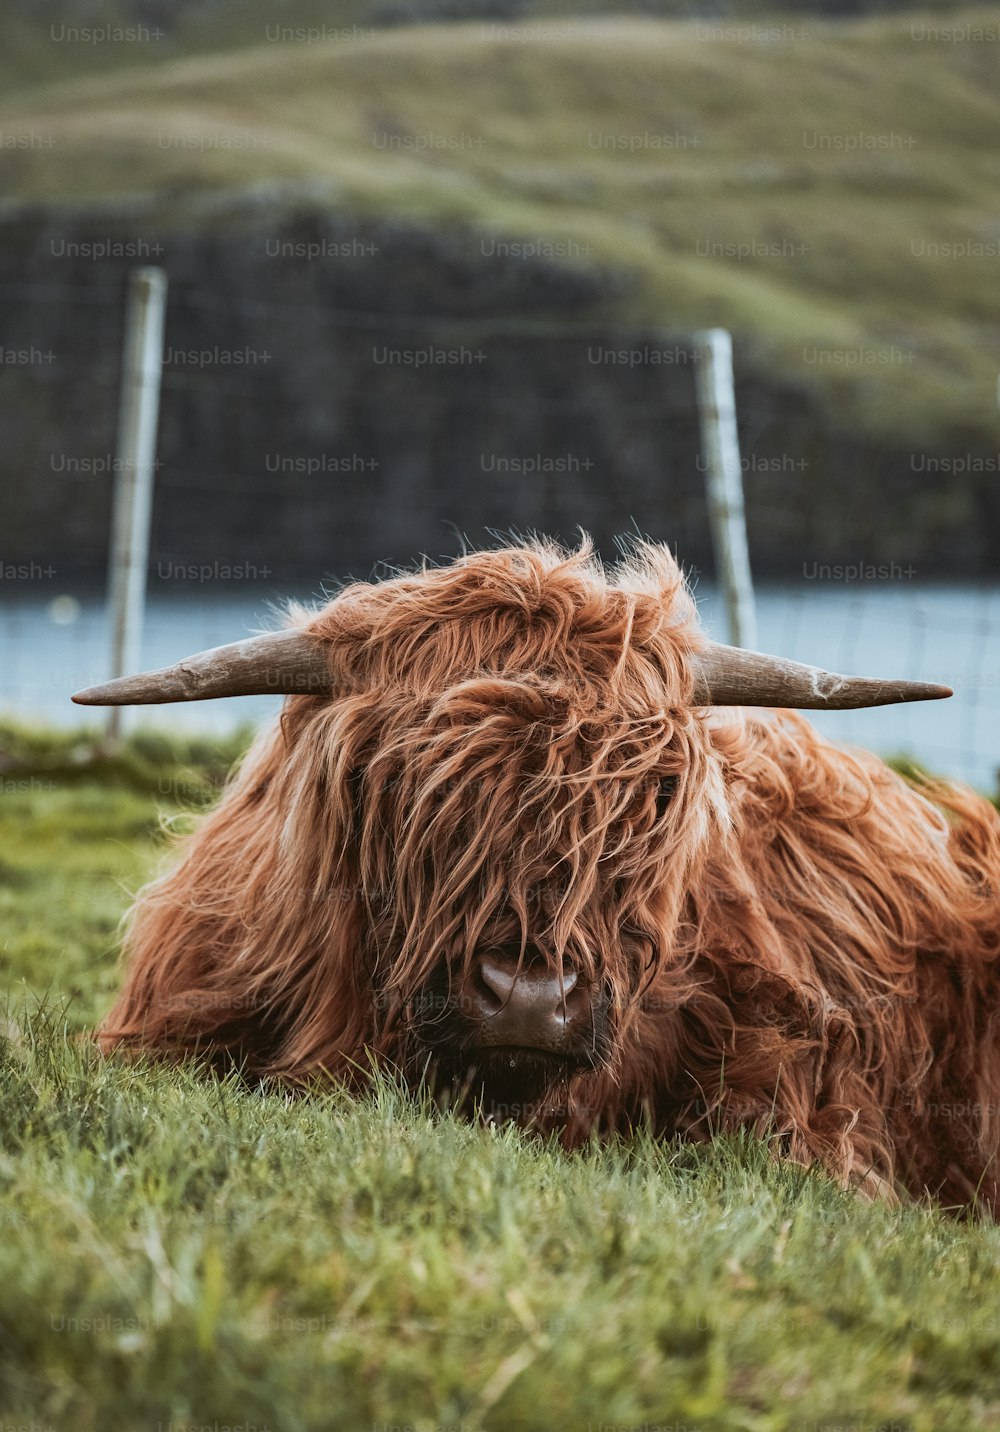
<point>797,940</point>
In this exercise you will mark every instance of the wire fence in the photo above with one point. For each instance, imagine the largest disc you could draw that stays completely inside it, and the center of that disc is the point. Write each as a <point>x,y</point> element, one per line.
<point>54,634</point>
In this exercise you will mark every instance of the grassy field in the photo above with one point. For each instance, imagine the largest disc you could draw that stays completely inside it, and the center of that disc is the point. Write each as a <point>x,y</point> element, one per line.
<point>177,1253</point>
<point>824,189</point>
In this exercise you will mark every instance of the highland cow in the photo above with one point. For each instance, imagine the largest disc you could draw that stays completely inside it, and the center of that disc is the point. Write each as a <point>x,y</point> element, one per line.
<point>518,833</point>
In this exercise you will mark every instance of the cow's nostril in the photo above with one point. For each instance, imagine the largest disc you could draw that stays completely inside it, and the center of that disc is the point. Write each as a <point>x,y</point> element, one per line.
<point>487,994</point>
<point>496,975</point>
<point>569,983</point>
<point>573,1000</point>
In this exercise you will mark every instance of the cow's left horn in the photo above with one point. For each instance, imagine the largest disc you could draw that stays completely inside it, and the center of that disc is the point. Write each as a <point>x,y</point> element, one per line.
<point>730,676</point>
<point>280,663</point>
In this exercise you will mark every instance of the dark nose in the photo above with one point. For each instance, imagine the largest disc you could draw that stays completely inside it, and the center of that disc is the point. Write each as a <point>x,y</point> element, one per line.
<point>535,1007</point>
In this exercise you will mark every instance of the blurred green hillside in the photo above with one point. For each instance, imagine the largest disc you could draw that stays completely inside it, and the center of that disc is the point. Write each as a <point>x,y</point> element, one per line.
<point>831,193</point>
<point>166,29</point>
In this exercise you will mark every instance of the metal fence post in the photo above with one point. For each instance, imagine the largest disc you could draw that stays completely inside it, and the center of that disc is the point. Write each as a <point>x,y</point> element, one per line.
<point>134,466</point>
<point>724,480</point>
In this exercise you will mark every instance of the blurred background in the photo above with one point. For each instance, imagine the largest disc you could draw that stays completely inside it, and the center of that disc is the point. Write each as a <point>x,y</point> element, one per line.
<point>434,271</point>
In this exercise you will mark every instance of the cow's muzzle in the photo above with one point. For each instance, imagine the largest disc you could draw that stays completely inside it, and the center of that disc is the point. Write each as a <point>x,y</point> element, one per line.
<point>510,1028</point>
<point>532,1008</point>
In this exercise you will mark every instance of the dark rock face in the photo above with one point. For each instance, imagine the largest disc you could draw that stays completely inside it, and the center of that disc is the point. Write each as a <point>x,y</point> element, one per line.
<point>338,394</point>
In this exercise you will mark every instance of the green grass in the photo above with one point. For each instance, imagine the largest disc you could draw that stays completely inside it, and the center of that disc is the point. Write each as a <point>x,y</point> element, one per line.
<point>179,1252</point>
<point>518,110</point>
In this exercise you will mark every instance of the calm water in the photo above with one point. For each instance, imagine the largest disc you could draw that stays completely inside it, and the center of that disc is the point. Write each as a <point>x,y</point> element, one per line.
<point>935,633</point>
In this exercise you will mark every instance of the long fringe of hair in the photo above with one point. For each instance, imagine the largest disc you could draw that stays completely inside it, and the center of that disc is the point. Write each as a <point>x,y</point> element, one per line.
<point>790,935</point>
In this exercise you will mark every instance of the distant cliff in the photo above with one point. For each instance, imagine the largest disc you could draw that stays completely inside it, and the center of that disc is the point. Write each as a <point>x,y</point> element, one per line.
<point>338,393</point>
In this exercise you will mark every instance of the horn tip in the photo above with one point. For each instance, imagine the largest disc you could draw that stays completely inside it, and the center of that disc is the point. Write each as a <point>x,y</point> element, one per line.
<point>111,693</point>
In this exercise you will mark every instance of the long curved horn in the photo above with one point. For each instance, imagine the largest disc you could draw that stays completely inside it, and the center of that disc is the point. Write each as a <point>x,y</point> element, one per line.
<point>278,663</point>
<point>289,662</point>
<point>730,676</point>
